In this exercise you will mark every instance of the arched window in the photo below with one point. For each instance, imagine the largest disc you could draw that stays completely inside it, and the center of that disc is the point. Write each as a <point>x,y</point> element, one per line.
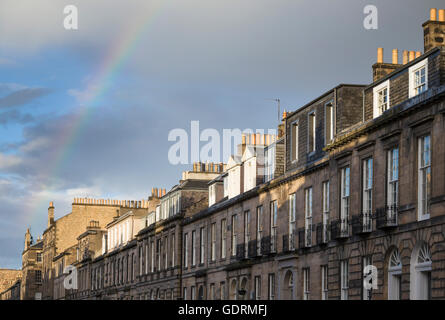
<point>201,293</point>
<point>420,277</point>
<point>232,292</point>
<point>394,276</point>
<point>243,291</point>
<point>288,286</point>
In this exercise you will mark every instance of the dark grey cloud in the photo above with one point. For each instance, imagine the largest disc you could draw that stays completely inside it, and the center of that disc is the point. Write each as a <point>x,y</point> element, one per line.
<point>14,116</point>
<point>22,97</point>
<point>212,61</point>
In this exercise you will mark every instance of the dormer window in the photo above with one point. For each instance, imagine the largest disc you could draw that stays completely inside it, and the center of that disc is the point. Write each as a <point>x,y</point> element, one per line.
<point>381,98</point>
<point>418,78</point>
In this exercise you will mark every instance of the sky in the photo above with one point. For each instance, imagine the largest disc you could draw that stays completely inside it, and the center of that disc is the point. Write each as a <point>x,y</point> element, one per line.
<point>87,112</point>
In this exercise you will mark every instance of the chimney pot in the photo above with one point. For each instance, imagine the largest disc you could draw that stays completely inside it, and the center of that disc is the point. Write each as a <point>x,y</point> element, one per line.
<point>379,55</point>
<point>243,138</point>
<point>395,56</point>
<point>433,14</point>
<point>412,55</point>
<point>418,54</point>
<point>442,15</point>
<point>405,56</point>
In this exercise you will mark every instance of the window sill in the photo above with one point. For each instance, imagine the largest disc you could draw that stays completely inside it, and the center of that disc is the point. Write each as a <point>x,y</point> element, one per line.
<point>423,217</point>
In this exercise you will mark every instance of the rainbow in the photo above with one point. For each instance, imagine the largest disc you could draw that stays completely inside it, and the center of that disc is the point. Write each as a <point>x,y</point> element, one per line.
<point>121,50</point>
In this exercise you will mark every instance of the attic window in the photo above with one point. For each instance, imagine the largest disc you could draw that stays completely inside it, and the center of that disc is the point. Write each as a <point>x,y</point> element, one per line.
<point>381,98</point>
<point>418,78</point>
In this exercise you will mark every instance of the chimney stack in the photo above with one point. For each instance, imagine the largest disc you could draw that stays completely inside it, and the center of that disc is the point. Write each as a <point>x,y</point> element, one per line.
<point>433,14</point>
<point>50,214</point>
<point>405,56</point>
<point>380,69</point>
<point>441,15</point>
<point>434,30</point>
<point>395,56</point>
<point>379,55</point>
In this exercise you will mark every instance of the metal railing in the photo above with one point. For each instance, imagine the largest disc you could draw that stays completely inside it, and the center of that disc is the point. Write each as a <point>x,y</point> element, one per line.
<point>325,238</point>
<point>273,241</point>
<point>387,217</point>
<point>308,232</point>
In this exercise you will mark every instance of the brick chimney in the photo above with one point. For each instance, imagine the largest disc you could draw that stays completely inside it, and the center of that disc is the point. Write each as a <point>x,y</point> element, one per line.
<point>434,30</point>
<point>380,69</point>
<point>50,214</point>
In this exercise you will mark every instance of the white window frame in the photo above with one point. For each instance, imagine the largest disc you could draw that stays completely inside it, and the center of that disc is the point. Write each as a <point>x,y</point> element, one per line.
<point>376,90</point>
<point>326,210</point>
<point>213,239</point>
<point>344,279</point>
<point>345,197</point>
<point>223,238</point>
<point>292,220</point>
<point>201,245</point>
<point>259,228</point>
<point>271,288</point>
<point>324,282</point>
<point>246,232</point>
<point>306,283</point>
<point>258,288</point>
<point>393,177</point>
<point>412,70</point>
<point>295,140</point>
<point>367,186</point>
<point>308,216</point>
<point>233,237</point>
<point>422,168</point>
<point>394,276</point>
<point>173,249</point>
<point>273,225</point>
<point>193,248</point>
<point>186,250</point>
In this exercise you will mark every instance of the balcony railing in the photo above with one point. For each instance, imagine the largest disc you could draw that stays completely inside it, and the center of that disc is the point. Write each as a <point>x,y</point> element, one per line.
<point>304,238</point>
<point>340,228</point>
<point>308,235</point>
<point>289,242</point>
<point>253,251</point>
<point>325,238</point>
<point>265,245</point>
<point>387,217</point>
<point>258,243</point>
<point>322,233</point>
<point>273,241</point>
<point>240,255</point>
<point>292,241</point>
<point>362,224</point>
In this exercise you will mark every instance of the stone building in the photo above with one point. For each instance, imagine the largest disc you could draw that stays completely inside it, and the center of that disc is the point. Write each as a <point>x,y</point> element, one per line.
<point>8,279</point>
<point>351,185</point>
<point>31,285</point>
<point>12,293</point>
